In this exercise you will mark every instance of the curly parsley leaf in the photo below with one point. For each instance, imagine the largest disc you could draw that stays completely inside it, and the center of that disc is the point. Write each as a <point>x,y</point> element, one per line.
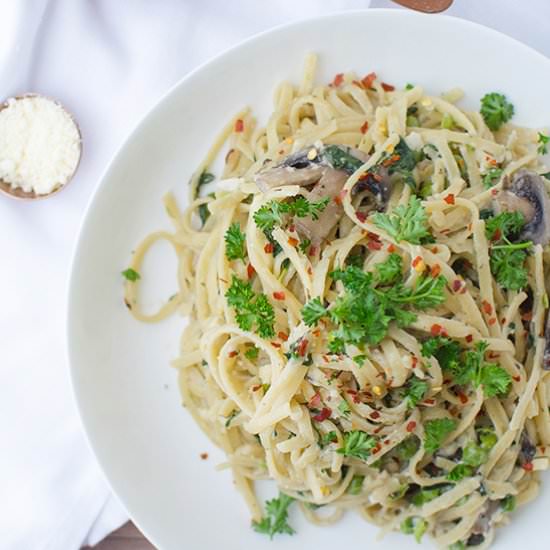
<point>460,471</point>
<point>251,309</point>
<point>415,390</point>
<point>494,379</point>
<point>505,224</point>
<point>406,223</point>
<point>496,110</point>
<point>446,351</point>
<point>491,177</point>
<point>427,293</point>
<point>543,140</point>
<point>389,271</point>
<point>436,431</point>
<point>131,275</point>
<point>235,248</point>
<point>275,520</point>
<point>357,444</point>
<point>313,311</point>
<point>271,214</point>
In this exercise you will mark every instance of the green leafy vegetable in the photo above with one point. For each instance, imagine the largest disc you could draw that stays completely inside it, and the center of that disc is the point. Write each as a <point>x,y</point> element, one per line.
<point>271,214</point>
<point>543,140</point>
<point>252,353</point>
<point>275,520</point>
<point>356,485</point>
<point>235,248</point>
<point>508,503</point>
<point>436,432</point>
<point>494,379</point>
<point>340,159</point>
<point>460,471</point>
<point>357,444</point>
<point>390,270</point>
<point>204,178</point>
<point>400,493</point>
<point>459,545</point>
<point>304,245</point>
<point>447,122</point>
<point>495,110</point>
<point>405,164</point>
<point>423,496</point>
<point>491,177</point>
<point>414,526</point>
<point>415,390</point>
<point>505,224</point>
<point>407,223</point>
<point>474,455</point>
<point>327,438</point>
<point>343,407</point>
<point>407,448</point>
<point>131,275</point>
<point>446,351</point>
<point>313,311</point>
<point>250,308</point>
<point>487,438</point>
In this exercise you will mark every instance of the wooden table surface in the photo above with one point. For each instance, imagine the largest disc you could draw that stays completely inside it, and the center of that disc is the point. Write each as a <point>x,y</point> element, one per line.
<point>126,538</point>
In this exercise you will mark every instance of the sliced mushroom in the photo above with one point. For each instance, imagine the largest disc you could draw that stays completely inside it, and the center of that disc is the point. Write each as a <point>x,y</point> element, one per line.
<point>526,193</point>
<point>527,451</point>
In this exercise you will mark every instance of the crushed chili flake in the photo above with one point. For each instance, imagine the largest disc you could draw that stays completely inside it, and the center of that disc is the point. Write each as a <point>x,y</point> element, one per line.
<point>377,449</point>
<point>516,378</point>
<point>276,344</point>
<point>292,228</point>
<point>293,242</point>
<point>449,199</point>
<point>374,245</point>
<point>391,248</point>
<point>411,426</point>
<point>416,261</point>
<point>392,160</point>
<point>338,200</point>
<point>361,216</point>
<point>429,402</point>
<point>457,285</point>
<point>315,401</point>
<point>268,248</point>
<point>323,415</point>
<point>435,250</point>
<point>386,441</point>
<point>279,295</point>
<point>487,307</point>
<point>283,336</point>
<point>528,466</point>
<point>469,338</point>
<point>364,127</point>
<point>494,192</point>
<point>368,80</point>
<point>387,87</point>
<point>492,321</point>
<point>316,332</point>
<point>435,270</point>
<point>250,271</point>
<point>302,347</point>
<point>312,250</point>
<point>233,353</point>
<point>326,359</point>
<point>338,79</point>
<point>309,270</point>
<point>414,361</point>
<point>463,397</point>
<point>379,429</point>
<point>357,83</point>
<point>375,415</point>
<point>204,456</point>
<point>239,125</point>
<point>256,387</point>
<point>494,355</point>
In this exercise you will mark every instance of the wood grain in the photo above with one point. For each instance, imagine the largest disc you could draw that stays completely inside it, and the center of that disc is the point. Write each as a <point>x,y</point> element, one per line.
<point>127,537</point>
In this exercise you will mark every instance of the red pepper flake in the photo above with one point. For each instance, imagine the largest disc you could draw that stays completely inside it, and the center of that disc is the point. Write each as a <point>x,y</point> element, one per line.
<point>391,248</point>
<point>469,338</point>
<point>276,344</point>
<point>392,160</point>
<point>374,415</point>
<point>338,79</point>
<point>528,466</point>
<point>487,307</point>
<point>279,295</point>
<point>326,359</point>
<point>312,250</point>
<point>361,216</point>
<point>436,329</point>
<point>268,248</point>
<point>204,456</point>
<point>283,336</point>
<point>494,192</point>
<point>388,87</point>
<point>316,332</point>
<point>233,353</point>
<point>449,199</point>
<point>378,430</point>
<point>429,402</point>
<point>492,321</point>
<point>302,347</point>
<point>315,401</point>
<point>256,387</point>
<point>374,245</point>
<point>435,270</point>
<point>338,200</point>
<point>414,361</point>
<point>493,355</point>
<point>457,285</point>
<point>377,448</point>
<point>292,228</point>
<point>364,127</point>
<point>368,80</point>
<point>463,397</point>
<point>309,270</point>
<point>416,261</point>
<point>517,378</point>
<point>435,250</point>
<point>293,242</point>
<point>323,415</point>
<point>411,426</point>
<point>239,125</point>
<point>250,271</point>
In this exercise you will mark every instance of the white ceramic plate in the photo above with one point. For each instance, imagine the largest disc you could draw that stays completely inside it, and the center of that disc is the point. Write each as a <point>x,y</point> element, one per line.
<point>146,443</point>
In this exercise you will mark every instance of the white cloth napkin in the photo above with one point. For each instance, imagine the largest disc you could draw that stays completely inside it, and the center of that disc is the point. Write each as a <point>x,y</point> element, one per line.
<point>108,62</point>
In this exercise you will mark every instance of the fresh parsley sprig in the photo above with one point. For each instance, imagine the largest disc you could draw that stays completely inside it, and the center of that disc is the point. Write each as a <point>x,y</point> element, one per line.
<point>496,110</point>
<point>357,444</point>
<point>271,214</point>
<point>436,431</point>
<point>235,242</point>
<point>275,520</point>
<point>415,390</point>
<point>251,309</point>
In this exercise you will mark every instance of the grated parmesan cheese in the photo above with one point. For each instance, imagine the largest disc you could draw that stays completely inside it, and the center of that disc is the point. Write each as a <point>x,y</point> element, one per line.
<point>39,145</point>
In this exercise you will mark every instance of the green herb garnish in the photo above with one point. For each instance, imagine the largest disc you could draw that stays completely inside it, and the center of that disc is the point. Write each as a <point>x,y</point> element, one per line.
<point>131,275</point>
<point>415,390</point>
<point>275,520</point>
<point>543,140</point>
<point>496,110</point>
<point>436,432</point>
<point>235,242</point>
<point>271,214</point>
<point>491,177</point>
<point>357,444</point>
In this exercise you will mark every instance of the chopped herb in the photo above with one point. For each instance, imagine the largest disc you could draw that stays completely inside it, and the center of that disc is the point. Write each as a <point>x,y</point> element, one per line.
<point>304,245</point>
<point>235,247</point>
<point>357,444</point>
<point>474,455</point>
<point>327,438</point>
<point>460,471</point>
<point>487,438</point>
<point>313,311</point>
<point>409,86</point>
<point>495,110</point>
<point>415,390</point>
<point>446,351</point>
<point>407,448</point>
<point>508,503</point>
<point>343,407</point>
<point>252,353</point>
<point>340,159</point>
<point>251,309</point>
<point>131,275</point>
<point>414,526</point>
<point>543,144</point>
<point>505,224</point>
<point>491,177</point>
<point>494,379</point>
<point>447,122</point>
<point>423,496</point>
<point>230,418</point>
<point>359,359</point>
<point>275,520</point>
<point>407,223</point>
<point>356,260</point>
<point>412,121</point>
<point>390,270</point>
<point>426,189</point>
<point>204,178</point>
<point>405,164</point>
<point>271,214</point>
<point>400,493</point>
<point>436,432</point>
<point>356,485</point>
<point>459,545</point>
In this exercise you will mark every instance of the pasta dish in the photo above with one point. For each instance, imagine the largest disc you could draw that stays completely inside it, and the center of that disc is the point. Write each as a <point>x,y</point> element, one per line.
<point>365,286</point>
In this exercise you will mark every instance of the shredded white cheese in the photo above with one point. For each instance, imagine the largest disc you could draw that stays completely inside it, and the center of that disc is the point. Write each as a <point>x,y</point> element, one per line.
<point>39,145</point>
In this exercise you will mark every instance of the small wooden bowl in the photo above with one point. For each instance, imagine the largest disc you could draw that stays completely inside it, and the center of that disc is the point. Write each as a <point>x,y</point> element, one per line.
<point>17,192</point>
